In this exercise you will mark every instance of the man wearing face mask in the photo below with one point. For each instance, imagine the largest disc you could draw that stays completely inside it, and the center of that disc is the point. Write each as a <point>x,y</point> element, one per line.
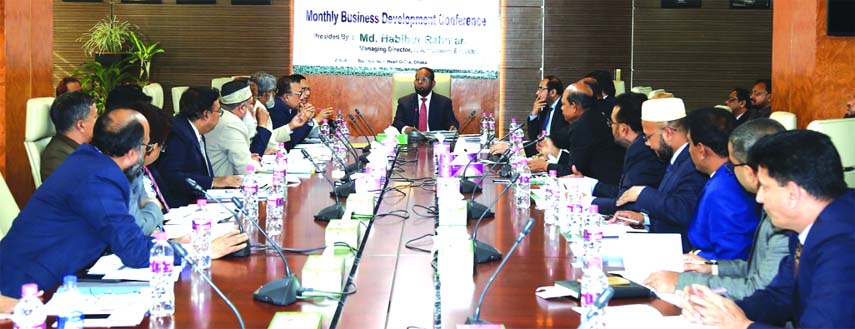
<point>83,210</point>
<point>263,88</point>
<point>228,143</point>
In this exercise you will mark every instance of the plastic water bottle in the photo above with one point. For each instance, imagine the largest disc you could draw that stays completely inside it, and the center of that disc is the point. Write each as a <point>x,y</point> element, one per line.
<point>345,132</point>
<point>339,119</point>
<point>512,128</point>
<point>594,280</point>
<point>514,159</point>
<point>592,232</point>
<point>275,206</point>
<point>202,235</point>
<point>281,169</point>
<point>519,134</point>
<point>523,190</point>
<point>552,195</point>
<point>162,291</point>
<point>70,301</point>
<point>250,204</point>
<point>485,130</point>
<point>491,126</point>
<point>29,312</point>
<point>325,128</point>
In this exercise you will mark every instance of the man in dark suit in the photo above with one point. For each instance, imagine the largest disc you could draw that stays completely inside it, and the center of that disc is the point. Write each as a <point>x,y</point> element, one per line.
<point>545,115</point>
<point>738,101</point>
<point>83,210</point>
<point>670,207</point>
<point>640,165</point>
<point>424,110</point>
<point>289,121</point>
<point>761,98</point>
<point>604,90</point>
<point>592,148</point>
<point>802,189</point>
<point>186,156</point>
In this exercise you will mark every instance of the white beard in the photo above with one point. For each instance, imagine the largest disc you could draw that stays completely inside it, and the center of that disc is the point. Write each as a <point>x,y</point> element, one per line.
<point>251,123</point>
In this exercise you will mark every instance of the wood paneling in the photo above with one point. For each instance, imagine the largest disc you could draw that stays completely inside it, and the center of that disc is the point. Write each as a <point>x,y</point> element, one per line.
<point>521,68</point>
<point>27,66</point>
<point>812,73</point>
<point>582,36</point>
<point>701,54</point>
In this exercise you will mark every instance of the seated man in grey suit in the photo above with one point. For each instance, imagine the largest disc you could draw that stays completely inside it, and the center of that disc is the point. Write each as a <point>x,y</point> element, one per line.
<point>424,110</point>
<point>73,114</point>
<point>228,144</point>
<point>740,278</point>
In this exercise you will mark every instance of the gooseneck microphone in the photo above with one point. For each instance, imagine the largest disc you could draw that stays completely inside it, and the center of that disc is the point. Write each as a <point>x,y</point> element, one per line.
<point>484,252</point>
<point>359,114</point>
<point>600,303</point>
<point>346,187</point>
<point>240,253</point>
<point>476,317</point>
<point>282,291</point>
<point>356,166</point>
<point>332,212</point>
<point>179,249</point>
<point>468,120</point>
<point>355,124</point>
<point>505,171</point>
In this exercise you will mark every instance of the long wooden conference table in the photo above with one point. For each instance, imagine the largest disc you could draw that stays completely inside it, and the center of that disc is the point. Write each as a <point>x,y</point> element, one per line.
<point>395,285</point>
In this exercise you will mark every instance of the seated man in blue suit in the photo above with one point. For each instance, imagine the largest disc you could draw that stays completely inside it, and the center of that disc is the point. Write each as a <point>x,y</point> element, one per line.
<point>424,110</point>
<point>727,215</point>
<point>670,207</point>
<point>640,164</point>
<point>83,210</point>
<point>802,189</point>
<point>289,121</point>
<point>186,156</point>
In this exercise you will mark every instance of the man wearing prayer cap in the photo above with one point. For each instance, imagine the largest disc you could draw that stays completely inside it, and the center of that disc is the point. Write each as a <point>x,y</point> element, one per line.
<point>670,207</point>
<point>228,143</point>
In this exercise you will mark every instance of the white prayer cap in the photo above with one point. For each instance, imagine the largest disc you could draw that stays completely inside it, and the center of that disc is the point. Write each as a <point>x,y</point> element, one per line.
<point>663,110</point>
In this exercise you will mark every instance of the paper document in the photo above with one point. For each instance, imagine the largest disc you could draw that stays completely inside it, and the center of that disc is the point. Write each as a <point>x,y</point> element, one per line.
<point>630,316</point>
<point>645,253</point>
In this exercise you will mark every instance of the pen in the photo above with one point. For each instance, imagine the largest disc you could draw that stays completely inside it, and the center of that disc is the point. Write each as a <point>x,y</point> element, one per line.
<point>627,219</point>
<point>698,262</point>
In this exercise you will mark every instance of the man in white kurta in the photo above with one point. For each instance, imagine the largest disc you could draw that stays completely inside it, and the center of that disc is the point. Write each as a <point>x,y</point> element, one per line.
<point>228,144</point>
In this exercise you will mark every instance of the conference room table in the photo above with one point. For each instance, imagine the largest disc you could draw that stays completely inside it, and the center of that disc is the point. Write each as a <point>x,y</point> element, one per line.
<point>394,285</point>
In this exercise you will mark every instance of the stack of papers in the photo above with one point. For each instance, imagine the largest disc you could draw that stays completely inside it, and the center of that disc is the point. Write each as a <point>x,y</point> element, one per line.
<point>111,268</point>
<point>629,316</point>
<point>125,304</point>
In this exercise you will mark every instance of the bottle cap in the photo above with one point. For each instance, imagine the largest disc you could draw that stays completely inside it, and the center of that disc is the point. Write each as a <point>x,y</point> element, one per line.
<point>325,121</point>
<point>250,168</point>
<point>29,290</point>
<point>344,123</point>
<point>69,279</point>
<point>514,120</point>
<point>201,202</point>
<point>553,173</point>
<point>160,236</point>
<point>594,209</point>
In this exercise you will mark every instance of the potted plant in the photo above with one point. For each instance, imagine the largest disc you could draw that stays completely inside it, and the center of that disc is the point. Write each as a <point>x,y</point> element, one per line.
<point>106,40</point>
<point>143,54</point>
<point>98,80</point>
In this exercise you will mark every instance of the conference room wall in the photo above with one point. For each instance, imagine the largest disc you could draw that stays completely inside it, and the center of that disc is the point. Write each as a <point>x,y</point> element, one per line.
<point>701,54</point>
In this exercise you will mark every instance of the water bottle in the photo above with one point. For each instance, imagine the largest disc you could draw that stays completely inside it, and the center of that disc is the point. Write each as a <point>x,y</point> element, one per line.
<point>201,235</point>
<point>325,128</point>
<point>162,291</point>
<point>514,160</point>
<point>281,169</point>
<point>250,204</point>
<point>552,199</point>
<point>523,194</point>
<point>592,233</point>
<point>594,280</point>
<point>345,132</point>
<point>512,128</point>
<point>29,312</point>
<point>485,130</point>
<point>70,302</point>
<point>339,119</point>
<point>275,207</point>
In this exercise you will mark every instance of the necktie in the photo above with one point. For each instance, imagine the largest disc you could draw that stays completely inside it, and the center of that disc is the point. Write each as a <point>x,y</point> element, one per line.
<point>156,189</point>
<point>548,120</point>
<point>796,258</point>
<point>204,154</point>
<point>423,115</point>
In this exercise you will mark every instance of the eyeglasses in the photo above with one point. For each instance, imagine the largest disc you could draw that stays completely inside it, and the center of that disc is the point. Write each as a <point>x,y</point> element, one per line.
<point>731,99</point>
<point>646,137</point>
<point>422,79</point>
<point>730,166</point>
<point>758,92</point>
<point>539,88</point>
<point>148,147</point>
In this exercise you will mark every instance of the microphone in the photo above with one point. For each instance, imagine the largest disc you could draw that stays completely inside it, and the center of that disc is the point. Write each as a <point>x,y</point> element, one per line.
<point>468,120</point>
<point>356,166</point>
<point>332,212</point>
<point>282,291</point>
<point>466,185</point>
<point>240,253</point>
<point>359,114</point>
<point>358,127</point>
<point>475,318</point>
<point>326,142</point>
<point>484,252</point>
<point>600,303</point>
<point>506,170</point>
<point>179,249</point>
<point>346,188</point>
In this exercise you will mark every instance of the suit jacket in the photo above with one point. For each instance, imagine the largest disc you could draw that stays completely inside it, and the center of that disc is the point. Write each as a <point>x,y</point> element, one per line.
<point>228,146</point>
<point>440,112</point>
<point>592,149</point>
<point>725,220</point>
<point>671,207</point>
<point>69,222</point>
<point>559,130</point>
<point>742,278</point>
<point>606,105</point>
<point>55,153</point>
<point>640,167</point>
<point>281,118</point>
<point>822,294</point>
<point>761,113</point>
<point>749,113</point>
<point>183,159</point>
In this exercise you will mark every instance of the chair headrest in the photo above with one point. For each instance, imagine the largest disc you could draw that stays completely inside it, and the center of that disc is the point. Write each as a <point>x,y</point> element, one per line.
<point>39,124</point>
